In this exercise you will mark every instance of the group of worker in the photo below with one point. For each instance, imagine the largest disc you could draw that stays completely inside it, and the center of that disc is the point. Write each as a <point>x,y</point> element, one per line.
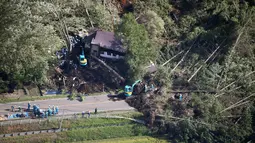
<point>39,112</point>
<point>44,113</point>
<point>13,109</point>
<point>83,113</point>
<point>62,53</point>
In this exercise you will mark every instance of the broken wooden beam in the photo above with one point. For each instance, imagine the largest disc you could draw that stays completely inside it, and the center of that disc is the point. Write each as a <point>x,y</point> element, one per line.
<point>109,68</point>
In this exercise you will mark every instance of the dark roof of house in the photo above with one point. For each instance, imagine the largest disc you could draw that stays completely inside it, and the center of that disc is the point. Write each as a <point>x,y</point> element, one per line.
<point>108,40</point>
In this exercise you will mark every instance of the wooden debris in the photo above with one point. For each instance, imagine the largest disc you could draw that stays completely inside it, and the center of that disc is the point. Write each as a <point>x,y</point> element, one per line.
<point>109,68</point>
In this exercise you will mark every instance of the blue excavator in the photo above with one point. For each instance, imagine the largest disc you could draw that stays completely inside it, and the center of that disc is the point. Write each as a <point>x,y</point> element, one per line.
<point>137,88</point>
<point>83,60</point>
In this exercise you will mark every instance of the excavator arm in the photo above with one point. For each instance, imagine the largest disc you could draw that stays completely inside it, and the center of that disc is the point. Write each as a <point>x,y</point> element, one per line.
<point>138,87</point>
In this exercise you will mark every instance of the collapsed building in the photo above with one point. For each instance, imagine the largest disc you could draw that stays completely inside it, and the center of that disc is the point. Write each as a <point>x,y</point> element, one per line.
<point>102,44</point>
<point>103,51</point>
<point>107,45</point>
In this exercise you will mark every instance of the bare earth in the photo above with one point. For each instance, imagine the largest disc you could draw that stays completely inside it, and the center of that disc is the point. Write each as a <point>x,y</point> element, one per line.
<point>101,102</point>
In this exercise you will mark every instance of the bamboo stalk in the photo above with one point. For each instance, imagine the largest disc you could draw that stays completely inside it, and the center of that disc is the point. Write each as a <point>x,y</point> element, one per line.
<point>91,23</point>
<point>244,99</point>
<point>206,61</point>
<point>181,60</point>
<point>233,89</point>
<point>172,58</point>
<point>234,106</point>
<point>232,50</point>
<point>237,80</point>
<point>229,91</point>
<point>238,103</point>
<point>184,56</point>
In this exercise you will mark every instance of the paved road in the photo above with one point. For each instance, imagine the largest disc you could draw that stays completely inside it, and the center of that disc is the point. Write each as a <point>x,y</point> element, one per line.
<point>66,106</point>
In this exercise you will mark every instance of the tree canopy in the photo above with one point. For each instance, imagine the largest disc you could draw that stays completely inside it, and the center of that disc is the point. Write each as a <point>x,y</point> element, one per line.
<point>140,49</point>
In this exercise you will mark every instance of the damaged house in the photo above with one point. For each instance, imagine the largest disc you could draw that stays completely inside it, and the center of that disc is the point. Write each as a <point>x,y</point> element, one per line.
<point>101,44</point>
<point>106,45</point>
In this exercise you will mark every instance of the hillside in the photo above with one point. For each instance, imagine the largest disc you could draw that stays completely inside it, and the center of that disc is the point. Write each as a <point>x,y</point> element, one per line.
<point>203,50</point>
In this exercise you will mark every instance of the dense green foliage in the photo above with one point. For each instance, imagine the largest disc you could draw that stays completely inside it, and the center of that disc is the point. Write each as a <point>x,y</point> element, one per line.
<point>217,40</point>
<point>140,49</point>
<point>26,44</point>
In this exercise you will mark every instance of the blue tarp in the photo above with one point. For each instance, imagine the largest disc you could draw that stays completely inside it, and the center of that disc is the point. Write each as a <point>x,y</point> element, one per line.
<point>18,115</point>
<point>51,92</point>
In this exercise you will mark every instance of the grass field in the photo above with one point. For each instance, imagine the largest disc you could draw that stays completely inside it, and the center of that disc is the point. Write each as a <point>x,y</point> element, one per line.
<point>97,130</point>
<point>88,134</point>
<point>135,139</point>
<point>104,133</point>
<point>93,122</point>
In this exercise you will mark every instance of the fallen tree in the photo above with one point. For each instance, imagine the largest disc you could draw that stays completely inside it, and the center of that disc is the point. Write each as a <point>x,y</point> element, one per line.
<point>109,68</point>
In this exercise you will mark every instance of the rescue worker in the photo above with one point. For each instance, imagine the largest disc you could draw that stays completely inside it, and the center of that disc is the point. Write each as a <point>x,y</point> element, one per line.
<point>19,109</point>
<point>83,113</point>
<point>42,115</point>
<point>53,110</point>
<point>12,108</point>
<point>95,110</point>
<point>46,114</point>
<point>180,97</point>
<point>57,110</point>
<point>49,111</point>
<point>28,106</point>
<point>34,109</point>
<point>38,111</point>
<point>88,113</point>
